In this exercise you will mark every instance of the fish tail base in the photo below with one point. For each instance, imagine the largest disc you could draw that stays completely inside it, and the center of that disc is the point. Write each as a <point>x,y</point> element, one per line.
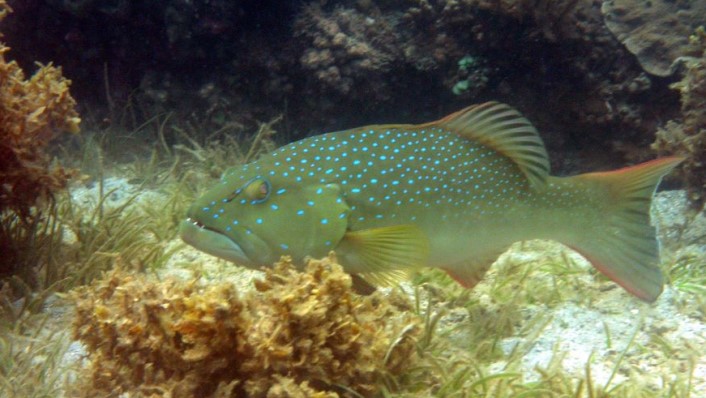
<point>624,246</point>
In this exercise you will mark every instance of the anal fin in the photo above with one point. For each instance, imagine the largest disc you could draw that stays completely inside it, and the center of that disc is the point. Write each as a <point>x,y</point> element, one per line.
<point>468,273</point>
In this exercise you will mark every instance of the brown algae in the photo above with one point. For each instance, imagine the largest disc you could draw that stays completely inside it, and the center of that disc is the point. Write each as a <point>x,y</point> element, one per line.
<point>295,334</point>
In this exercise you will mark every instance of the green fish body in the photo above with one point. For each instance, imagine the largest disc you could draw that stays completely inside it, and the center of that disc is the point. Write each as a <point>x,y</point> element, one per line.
<point>453,194</point>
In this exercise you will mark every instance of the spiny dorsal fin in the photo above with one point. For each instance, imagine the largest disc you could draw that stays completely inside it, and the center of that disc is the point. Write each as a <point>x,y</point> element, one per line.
<point>505,130</point>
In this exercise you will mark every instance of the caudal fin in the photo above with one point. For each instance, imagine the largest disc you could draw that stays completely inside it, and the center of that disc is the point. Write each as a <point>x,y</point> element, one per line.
<point>624,246</point>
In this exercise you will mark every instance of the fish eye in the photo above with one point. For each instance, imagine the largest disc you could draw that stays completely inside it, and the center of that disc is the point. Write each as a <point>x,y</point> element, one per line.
<point>257,190</point>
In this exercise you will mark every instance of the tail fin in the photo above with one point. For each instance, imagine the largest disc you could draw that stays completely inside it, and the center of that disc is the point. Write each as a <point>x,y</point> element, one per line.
<point>625,246</point>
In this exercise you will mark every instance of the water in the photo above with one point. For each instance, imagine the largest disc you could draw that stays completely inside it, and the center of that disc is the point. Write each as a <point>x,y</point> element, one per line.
<point>171,94</point>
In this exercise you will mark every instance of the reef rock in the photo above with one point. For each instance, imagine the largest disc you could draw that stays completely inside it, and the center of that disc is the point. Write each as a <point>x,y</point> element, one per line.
<point>655,31</point>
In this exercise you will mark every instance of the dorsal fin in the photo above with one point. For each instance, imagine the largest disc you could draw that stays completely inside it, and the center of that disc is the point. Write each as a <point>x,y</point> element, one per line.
<point>504,129</point>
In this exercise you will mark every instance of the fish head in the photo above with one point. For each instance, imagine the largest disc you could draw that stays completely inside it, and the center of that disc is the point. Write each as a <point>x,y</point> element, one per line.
<point>253,218</point>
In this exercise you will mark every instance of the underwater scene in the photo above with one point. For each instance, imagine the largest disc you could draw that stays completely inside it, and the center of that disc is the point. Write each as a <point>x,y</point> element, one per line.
<point>353,198</point>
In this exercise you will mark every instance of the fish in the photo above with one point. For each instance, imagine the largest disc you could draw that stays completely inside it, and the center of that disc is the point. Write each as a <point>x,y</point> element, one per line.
<point>453,194</point>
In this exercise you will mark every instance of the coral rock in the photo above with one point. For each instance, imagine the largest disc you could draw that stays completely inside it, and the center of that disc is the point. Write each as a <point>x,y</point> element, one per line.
<point>687,137</point>
<point>656,32</point>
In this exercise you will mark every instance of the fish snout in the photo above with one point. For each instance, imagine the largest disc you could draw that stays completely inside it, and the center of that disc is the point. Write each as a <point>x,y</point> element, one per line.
<point>212,242</point>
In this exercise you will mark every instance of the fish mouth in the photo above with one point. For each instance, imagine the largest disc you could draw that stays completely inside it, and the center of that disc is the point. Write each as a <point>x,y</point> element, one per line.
<point>211,241</point>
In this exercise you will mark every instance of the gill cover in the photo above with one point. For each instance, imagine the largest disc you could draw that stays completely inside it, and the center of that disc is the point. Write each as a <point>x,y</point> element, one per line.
<point>304,221</point>
<point>254,222</point>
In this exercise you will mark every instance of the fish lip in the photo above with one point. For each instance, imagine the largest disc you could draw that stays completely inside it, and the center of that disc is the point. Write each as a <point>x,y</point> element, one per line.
<point>211,241</point>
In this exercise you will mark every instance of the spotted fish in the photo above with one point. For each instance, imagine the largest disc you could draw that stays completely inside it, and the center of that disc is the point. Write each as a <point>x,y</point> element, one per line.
<point>453,194</point>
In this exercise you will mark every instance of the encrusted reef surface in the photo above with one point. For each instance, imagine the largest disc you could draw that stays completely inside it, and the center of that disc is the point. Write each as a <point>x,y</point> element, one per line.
<point>217,63</point>
<point>656,31</point>
<point>686,134</point>
<point>298,334</point>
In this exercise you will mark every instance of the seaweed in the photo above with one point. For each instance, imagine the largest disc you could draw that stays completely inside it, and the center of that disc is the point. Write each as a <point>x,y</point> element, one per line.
<point>32,113</point>
<point>298,334</point>
<point>33,364</point>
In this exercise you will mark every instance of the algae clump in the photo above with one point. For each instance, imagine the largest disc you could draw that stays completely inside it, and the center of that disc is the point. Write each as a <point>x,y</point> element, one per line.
<point>296,334</point>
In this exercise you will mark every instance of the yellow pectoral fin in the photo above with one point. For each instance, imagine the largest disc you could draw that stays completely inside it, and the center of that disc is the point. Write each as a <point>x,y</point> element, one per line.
<point>386,279</point>
<point>366,284</point>
<point>386,254</point>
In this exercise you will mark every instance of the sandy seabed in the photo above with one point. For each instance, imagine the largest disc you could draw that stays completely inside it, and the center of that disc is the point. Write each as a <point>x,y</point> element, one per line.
<point>610,331</point>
